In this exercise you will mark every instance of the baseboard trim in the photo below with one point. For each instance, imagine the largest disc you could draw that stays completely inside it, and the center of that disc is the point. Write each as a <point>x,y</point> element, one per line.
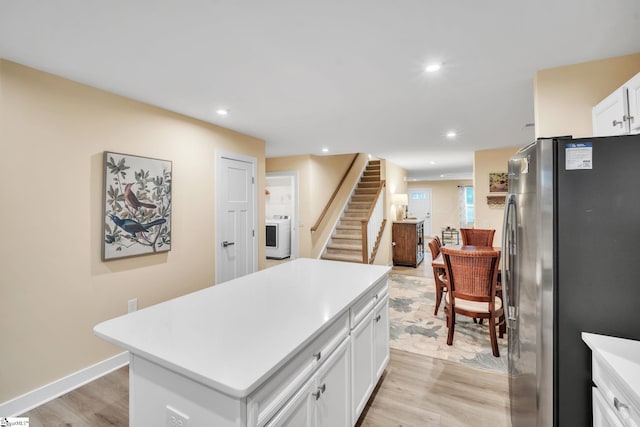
<point>39,396</point>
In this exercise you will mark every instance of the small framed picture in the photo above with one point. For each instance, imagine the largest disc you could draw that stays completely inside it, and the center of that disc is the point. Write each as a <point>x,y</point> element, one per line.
<point>498,182</point>
<point>137,206</point>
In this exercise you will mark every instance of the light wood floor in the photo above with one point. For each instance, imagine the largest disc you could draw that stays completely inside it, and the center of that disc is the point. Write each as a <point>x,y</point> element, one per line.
<point>414,391</point>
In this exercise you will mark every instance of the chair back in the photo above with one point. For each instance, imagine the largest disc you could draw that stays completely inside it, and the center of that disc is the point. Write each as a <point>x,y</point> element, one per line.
<point>473,275</point>
<point>435,250</point>
<point>436,238</point>
<point>477,236</point>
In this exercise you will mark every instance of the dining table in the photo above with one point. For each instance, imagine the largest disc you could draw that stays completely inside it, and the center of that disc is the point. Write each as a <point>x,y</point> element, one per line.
<point>438,262</point>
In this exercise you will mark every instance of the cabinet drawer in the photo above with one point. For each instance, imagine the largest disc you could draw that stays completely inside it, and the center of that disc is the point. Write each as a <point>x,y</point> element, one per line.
<point>614,391</point>
<point>273,394</point>
<point>603,415</point>
<point>366,303</point>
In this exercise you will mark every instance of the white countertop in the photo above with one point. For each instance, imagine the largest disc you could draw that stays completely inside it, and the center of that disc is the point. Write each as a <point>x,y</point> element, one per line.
<point>622,355</point>
<point>234,335</point>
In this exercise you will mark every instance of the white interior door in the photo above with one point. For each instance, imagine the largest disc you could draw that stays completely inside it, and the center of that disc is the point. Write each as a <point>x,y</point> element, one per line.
<point>236,224</point>
<point>420,206</point>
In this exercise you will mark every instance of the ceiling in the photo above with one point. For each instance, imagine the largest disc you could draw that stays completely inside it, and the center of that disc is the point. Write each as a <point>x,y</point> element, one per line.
<point>338,74</point>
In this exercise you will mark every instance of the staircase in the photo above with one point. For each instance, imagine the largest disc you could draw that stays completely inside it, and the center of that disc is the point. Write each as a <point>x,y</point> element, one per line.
<point>346,241</point>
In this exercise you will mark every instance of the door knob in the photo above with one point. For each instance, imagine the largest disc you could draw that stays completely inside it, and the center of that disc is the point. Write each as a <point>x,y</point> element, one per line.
<point>225,244</point>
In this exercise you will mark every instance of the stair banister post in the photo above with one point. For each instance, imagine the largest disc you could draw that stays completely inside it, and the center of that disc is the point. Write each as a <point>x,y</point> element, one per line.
<point>365,243</point>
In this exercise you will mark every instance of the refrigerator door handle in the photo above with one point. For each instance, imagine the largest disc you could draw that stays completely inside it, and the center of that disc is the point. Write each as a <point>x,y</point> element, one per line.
<point>509,245</point>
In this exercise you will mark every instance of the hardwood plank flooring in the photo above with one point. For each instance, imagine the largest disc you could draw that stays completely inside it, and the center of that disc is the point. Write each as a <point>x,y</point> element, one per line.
<point>100,403</point>
<point>414,391</point>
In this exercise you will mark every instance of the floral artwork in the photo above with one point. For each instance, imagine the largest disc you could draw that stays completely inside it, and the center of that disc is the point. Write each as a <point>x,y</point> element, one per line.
<point>498,182</point>
<point>137,206</point>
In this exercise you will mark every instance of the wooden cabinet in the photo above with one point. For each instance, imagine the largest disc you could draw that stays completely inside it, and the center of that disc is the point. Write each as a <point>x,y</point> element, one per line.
<point>408,242</point>
<point>619,113</point>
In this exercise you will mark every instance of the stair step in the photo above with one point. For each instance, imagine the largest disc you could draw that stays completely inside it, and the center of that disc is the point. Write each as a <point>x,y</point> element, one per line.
<point>353,239</point>
<point>367,184</point>
<point>359,205</point>
<point>339,247</point>
<point>372,191</point>
<point>351,230</point>
<point>358,213</point>
<point>355,222</point>
<point>366,197</point>
<point>370,178</point>
<point>342,257</point>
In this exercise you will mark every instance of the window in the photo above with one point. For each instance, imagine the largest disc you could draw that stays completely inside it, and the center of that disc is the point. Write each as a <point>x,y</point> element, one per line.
<point>469,215</point>
<point>418,196</point>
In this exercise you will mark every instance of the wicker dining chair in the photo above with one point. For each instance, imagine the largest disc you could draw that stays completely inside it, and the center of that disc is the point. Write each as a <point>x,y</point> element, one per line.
<point>472,283</point>
<point>477,236</point>
<point>438,275</point>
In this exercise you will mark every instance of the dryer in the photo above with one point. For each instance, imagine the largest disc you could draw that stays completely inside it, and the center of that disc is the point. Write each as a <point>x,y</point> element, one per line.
<point>278,239</point>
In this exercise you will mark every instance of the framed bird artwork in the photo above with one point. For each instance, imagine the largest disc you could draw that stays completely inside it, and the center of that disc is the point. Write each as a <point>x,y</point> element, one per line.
<point>137,206</point>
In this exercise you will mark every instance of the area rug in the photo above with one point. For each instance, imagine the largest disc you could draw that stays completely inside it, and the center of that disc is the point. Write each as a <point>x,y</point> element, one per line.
<point>415,329</point>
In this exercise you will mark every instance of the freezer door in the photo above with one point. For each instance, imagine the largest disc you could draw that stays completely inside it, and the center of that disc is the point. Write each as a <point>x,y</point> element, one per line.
<point>530,386</point>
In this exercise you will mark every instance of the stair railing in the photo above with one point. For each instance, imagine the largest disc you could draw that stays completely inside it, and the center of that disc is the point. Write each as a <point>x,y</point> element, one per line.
<point>371,225</point>
<point>333,196</point>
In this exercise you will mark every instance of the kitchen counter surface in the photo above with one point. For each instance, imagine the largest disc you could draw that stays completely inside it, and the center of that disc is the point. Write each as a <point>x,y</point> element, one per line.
<point>234,335</point>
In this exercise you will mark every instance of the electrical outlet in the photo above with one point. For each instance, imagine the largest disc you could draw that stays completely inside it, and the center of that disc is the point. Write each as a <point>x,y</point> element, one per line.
<point>176,418</point>
<point>132,305</point>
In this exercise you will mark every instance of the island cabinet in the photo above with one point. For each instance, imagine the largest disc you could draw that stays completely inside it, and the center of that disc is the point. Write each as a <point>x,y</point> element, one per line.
<point>370,345</point>
<point>615,373</point>
<point>299,344</point>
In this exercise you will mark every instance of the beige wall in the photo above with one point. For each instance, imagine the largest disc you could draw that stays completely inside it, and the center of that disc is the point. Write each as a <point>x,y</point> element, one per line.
<point>54,286</point>
<point>445,201</point>
<point>564,96</point>
<point>396,183</point>
<point>485,162</point>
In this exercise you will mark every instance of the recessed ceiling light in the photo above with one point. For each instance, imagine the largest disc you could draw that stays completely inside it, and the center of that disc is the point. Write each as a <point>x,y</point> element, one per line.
<point>432,68</point>
<point>442,176</point>
<point>451,134</point>
<point>432,162</point>
<point>325,150</point>
<point>222,111</point>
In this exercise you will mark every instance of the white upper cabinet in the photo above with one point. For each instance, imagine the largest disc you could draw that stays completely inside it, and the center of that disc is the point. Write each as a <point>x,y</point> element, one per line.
<point>618,113</point>
<point>633,93</point>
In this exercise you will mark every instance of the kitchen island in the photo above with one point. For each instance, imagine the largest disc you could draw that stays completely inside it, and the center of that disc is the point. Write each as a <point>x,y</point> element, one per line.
<point>302,343</point>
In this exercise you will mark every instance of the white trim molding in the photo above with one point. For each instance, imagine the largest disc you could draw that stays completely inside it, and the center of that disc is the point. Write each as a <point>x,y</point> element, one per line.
<point>47,392</point>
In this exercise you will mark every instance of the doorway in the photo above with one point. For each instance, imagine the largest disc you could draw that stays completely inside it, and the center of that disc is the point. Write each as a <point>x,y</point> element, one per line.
<point>236,222</point>
<point>281,199</point>
<point>420,206</point>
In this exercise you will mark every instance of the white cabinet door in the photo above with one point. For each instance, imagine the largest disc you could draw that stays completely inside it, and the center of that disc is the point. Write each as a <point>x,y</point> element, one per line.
<point>608,117</point>
<point>633,93</point>
<point>380,337</point>
<point>298,412</point>
<point>361,365</point>
<point>333,404</point>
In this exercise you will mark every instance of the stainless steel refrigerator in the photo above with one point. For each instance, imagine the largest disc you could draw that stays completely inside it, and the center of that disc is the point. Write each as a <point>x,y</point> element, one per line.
<point>571,263</point>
